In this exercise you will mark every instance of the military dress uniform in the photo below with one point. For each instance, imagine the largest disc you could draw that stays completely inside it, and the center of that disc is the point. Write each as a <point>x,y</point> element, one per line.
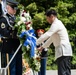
<point>10,42</point>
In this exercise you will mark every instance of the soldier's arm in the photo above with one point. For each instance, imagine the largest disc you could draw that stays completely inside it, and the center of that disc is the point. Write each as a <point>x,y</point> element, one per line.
<point>4,31</point>
<point>0,9</point>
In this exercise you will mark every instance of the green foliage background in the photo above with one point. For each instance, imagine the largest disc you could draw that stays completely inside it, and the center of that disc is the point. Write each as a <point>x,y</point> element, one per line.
<point>66,13</point>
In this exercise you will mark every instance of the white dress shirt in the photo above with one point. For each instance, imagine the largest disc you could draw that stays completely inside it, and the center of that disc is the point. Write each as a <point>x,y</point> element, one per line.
<point>57,34</point>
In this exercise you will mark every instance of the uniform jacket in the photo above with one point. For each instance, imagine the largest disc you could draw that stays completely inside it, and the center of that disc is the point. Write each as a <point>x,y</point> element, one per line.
<point>57,34</point>
<point>8,35</point>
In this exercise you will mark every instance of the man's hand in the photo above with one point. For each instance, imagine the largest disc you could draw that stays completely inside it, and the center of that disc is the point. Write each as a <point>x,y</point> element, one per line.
<point>0,40</point>
<point>40,48</point>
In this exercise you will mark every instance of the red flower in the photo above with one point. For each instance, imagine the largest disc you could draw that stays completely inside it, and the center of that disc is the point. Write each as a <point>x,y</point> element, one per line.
<point>38,58</point>
<point>24,11</point>
<point>22,15</point>
<point>27,23</point>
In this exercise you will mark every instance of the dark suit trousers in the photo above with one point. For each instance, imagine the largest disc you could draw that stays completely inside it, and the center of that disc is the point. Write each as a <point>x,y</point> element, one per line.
<point>64,65</point>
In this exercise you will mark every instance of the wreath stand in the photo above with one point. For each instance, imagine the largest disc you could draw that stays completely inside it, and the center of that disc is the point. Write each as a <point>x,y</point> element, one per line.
<point>3,71</point>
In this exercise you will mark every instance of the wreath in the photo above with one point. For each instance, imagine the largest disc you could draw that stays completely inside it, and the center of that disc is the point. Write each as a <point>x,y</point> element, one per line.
<point>27,37</point>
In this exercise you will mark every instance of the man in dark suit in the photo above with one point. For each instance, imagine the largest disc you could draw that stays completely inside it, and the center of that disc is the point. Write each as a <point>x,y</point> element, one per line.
<point>9,39</point>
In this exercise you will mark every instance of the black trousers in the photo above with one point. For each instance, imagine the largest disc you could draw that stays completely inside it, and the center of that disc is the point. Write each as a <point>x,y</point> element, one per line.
<point>64,65</point>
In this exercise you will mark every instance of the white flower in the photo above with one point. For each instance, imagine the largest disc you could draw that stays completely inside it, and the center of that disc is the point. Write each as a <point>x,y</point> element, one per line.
<point>23,19</point>
<point>21,12</point>
<point>26,14</point>
<point>38,63</point>
<point>19,22</point>
<point>28,19</point>
<point>35,55</point>
<point>23,30</point>
<point>28,47</point>
<point>29,25</point>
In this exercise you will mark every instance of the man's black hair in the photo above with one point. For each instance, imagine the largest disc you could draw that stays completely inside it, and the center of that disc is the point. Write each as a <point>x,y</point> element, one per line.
<point>51,12</point>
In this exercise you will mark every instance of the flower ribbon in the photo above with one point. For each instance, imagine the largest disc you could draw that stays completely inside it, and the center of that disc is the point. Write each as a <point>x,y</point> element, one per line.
<point>30,39</point>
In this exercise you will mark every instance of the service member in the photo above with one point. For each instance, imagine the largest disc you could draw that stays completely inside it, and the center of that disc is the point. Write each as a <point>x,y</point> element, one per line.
<point>43,54</point>
<point>9,38</point>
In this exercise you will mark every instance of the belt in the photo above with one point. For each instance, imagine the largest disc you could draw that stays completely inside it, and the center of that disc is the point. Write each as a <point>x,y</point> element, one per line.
<point>1,39</point>
<point>5,38</point>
